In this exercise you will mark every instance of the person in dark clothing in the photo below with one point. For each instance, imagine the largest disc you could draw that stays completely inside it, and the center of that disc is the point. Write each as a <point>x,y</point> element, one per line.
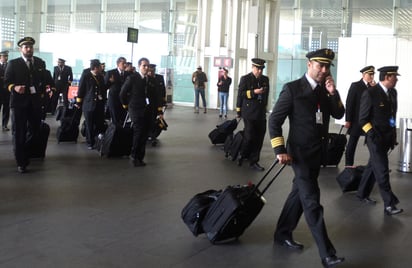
<point>377,116</point>
<point>137,98</point>
<point>252,100</point>
<point>91,96</point>
<point>4,93</point>
<point>114,80</point>
<point>308,102</point>
<point>223,86</point>
<point>25,79</point>
<point>352,112</point>
<point>158,89</point>
<point>63,78</point>
<point>199,79</point>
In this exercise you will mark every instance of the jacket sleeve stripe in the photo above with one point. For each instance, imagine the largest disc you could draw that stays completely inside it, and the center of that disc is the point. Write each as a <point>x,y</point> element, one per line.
<point>277,141</point>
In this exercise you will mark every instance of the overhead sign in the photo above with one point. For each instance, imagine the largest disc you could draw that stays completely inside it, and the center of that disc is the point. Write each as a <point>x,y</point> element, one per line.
<point>132,35</point>
<point>223,62</point>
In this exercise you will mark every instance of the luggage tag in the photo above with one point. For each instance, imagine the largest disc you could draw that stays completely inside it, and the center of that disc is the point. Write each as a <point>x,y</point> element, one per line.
<point>59,78</point>
<point>32,90</point>
<point>392,122</point>
<point>147,101</point>
<point>319,117</point>
<point>100,97</point>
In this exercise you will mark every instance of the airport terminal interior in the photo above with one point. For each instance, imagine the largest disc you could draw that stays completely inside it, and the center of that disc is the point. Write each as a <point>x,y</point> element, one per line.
<point>76,209</point>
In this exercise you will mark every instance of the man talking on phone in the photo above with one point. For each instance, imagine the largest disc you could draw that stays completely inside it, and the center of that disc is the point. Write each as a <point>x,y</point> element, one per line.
<point>308,102</point>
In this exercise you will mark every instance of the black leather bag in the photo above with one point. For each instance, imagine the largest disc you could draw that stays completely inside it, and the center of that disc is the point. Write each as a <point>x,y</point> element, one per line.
<point>194,212</point>
<point>350,178</point>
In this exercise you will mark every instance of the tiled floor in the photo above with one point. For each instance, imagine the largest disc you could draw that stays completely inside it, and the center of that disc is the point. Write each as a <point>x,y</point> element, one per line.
<point>75,209</point>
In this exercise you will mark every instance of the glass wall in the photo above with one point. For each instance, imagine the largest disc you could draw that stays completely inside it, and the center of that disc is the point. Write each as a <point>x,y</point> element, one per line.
<point>311,24</point>
<point>82,30</point>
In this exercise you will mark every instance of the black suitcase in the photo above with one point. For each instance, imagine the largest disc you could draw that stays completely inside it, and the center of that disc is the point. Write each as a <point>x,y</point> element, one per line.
<point>219,134</point>
<point>69,127</point>
<point>335,147</point>
<point>38,142</point>
<point>236,145</point>
<point>235,209</point>
<point>350,178</point>
<point>233,144</point>
<point>227,145</point>
<point>194,212</point>
<point>116,141</point>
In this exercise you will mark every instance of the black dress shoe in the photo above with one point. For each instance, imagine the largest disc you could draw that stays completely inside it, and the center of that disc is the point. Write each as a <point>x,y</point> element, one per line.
<point>21,169</point>
<point>257,167</point>
<point>392,210</point>
<point>368,200</point>
<point>137,163</point>
<point>290,244</point>
<point>331,261</point>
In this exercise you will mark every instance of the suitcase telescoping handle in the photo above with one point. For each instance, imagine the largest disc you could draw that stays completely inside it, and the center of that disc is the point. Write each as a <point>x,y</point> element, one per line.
<point>126,119</point>
<point>266,174</point>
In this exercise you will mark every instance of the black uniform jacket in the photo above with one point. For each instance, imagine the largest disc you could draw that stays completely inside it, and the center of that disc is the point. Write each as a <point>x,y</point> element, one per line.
<point>62,78</point>
<point>17,73</point>
<point>376,111</point>
<point>352,107</point>
<point>159,84</point>
<point>115,86</point>
<point>3,90</point>
<point>91,90</point>
<point>250,105</point>
<point>300,102</point>
<point>135,95</point>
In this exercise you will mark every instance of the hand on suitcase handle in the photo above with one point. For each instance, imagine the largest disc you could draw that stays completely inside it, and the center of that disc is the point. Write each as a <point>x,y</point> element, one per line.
<point>284,158</point>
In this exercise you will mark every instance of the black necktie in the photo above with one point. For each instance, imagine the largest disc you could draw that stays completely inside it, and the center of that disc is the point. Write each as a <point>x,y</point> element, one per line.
<point>30,65</point>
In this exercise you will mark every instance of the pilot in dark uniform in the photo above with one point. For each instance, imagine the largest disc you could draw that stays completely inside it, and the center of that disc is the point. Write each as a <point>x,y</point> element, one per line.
<point>91,96</point>
<point>308,102</point>
<point>157,87</point>
<point>63,78</point>
<point>135,96</point>
<point>377,117</point>
<point>352,111</point>
<point>25,79</point>
<point>114,80</point>
<point>4,93</point>
<point>251,104</point>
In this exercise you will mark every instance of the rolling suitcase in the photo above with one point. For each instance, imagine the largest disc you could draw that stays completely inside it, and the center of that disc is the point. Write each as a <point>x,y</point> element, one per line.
<point>194,212</point>
<point>236,145</point>
<point>219,134</point>
<point>227,145</point>
<point>38,142</point>
<point>335,147</point>
<point>116,141</point>
<point>235,209</point>
<point>69,126</point>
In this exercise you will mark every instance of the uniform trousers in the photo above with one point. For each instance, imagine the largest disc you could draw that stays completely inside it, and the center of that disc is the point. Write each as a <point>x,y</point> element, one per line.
<point>141,125</point>
<point>5,104</point>
<point>377,170</point>
<point>351,149</point>
<point>94,123</point>
<point>305,198</point>
<point>253,137</point>
<point>25,122</point>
